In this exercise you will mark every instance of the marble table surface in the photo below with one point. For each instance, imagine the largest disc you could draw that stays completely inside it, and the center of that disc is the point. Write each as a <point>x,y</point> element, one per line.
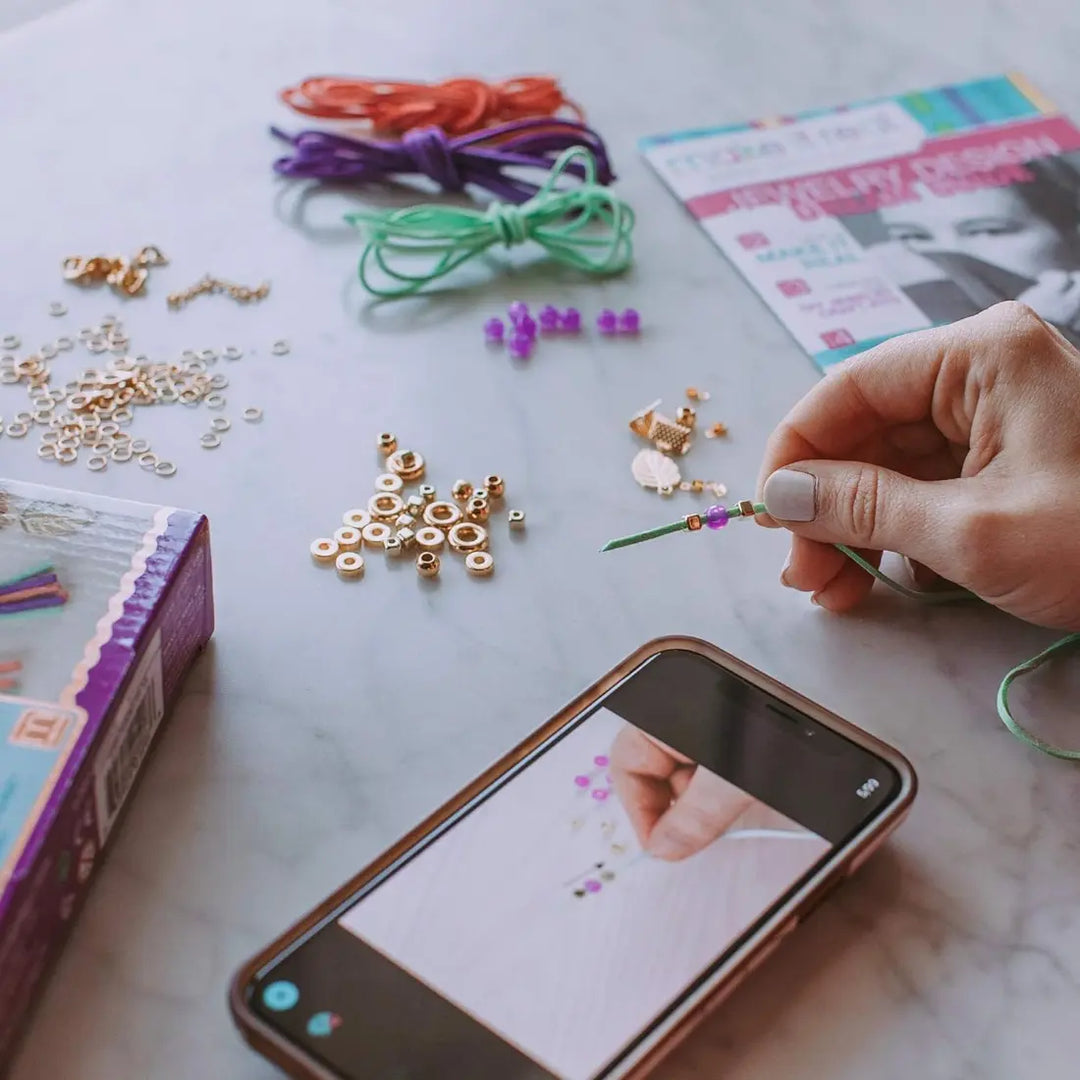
<point>327,719</point>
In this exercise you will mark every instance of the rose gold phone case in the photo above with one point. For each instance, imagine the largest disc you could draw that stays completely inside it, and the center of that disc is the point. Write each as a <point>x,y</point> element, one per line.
<point>677,1026</point>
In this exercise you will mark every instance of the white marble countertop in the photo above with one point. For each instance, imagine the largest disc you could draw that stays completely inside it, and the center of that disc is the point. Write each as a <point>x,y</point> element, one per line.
<point>326,719</point>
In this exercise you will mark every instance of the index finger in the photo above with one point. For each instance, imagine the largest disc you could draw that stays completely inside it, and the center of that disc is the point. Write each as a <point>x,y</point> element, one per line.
<point>881,388</point>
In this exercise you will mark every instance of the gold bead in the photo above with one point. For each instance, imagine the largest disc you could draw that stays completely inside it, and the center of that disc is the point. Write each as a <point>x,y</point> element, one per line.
<point>430,538</point>
<point>348,538</point>
<point>376,534</point>
<point>427,492</point>
<point>496,486</point>
<point>350,565</point>
<point>746,508</point>
<point>693,522</point>
<point>694,394</point>
<point>387,443</point>
<point>686,416</point>
<point>324,550</point>
<point>389,482</point>
<point>404,521</point>
<point>516,519</point>
<point>482,494</point>
<point>462,490</point>
<point>465,537</point>
<point>414,505</point>
<point>407,464</point>
<point>427,564</point>
<point>479,563</point>
<point>477,510</point>
<point>697,486</point>
<point>407,538</point>
<point>393,547</point>
<point>442,515</point>
<point>356,519</point>
<point>385,506</point>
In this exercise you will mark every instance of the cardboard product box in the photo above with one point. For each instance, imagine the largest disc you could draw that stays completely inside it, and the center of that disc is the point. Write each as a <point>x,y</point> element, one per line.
<point>104,605</point>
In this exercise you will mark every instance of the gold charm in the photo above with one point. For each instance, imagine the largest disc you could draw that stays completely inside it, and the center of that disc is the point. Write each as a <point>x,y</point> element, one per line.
<point>664,433</point>
<point>652,469</point>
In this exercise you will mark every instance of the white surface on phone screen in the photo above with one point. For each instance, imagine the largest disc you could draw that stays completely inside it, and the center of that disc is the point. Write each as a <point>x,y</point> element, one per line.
<point>487,914</point>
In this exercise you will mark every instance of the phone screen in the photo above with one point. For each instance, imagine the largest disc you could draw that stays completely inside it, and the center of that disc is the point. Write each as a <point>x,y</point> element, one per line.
<point>550,925</point>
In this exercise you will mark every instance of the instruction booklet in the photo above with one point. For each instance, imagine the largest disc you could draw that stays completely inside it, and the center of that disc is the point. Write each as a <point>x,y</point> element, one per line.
<point>865,221</point>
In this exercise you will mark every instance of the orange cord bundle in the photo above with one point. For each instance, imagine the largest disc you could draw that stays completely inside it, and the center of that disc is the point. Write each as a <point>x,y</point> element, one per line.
<point>458,106</point>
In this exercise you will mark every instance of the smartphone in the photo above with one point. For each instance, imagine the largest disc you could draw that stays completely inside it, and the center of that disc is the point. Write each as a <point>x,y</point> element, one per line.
<point>578,908</point>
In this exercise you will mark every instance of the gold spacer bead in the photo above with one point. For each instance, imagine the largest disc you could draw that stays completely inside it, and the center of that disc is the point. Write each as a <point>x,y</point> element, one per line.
<point>387,443</point>
<point>350,565</point>
<point>479,563</point>
<point>516,518</point>
<point>496,485</point>
<point>746,508</point>
<point>461,491</point>
<point>356,519</point>
<point>376,534</point>
<point>348,538</point>
<point>430,538</point>
<point>427,492</point>
<point>324,550</point>
<point>427,564</point>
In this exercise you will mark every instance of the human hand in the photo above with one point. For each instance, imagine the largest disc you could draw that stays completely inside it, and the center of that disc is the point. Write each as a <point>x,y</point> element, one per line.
<point>1056,298</point>
<point>675,807</point>
<point>958,447</point>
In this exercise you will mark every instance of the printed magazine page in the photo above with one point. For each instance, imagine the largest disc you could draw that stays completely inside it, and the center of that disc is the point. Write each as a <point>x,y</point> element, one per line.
<point>865,221</point>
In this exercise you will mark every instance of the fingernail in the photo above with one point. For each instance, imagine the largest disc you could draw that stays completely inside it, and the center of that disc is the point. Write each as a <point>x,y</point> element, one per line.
<point>784,571</point>
<point>789,495</point>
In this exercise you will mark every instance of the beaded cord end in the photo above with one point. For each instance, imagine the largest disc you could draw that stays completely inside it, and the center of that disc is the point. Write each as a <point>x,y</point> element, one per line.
<point>716,517</point>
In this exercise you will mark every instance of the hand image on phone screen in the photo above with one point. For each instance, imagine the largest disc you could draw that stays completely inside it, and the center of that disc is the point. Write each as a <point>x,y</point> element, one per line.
<point>552,924</point>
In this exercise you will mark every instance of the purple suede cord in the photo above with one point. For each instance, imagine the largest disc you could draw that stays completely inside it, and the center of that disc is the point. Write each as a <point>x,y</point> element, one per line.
<point>46,577</point>
<point>32,605</point>
<point>479,158</point>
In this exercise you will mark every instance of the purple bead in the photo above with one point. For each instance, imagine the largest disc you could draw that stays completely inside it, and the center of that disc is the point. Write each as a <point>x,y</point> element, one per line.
<point>630,321</point>
<point>716,517</point>
<point>517,311</point>
<point>549,319</point>
<point>601,760</point>
<point>600,794</point>
<point>570,320</point>
<point>520,346</point>
<point>527,326</point>
<point>592,885</point>
<point>494,330</point>
<point>607,321</point>
<point>581,781</point>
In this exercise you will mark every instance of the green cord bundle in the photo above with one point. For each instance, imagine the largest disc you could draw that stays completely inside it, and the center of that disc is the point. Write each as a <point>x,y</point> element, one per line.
<point>585,226</point>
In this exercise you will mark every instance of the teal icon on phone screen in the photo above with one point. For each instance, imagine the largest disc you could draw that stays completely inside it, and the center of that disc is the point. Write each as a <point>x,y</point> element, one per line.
<point>280,996</point>
<point>323,1024</point>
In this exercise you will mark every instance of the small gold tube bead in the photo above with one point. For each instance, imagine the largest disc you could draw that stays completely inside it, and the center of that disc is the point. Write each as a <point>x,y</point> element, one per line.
<point>387,443</point>
<point>746,508</point>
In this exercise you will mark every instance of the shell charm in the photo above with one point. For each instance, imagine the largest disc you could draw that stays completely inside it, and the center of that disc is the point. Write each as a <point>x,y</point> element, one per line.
<point>652,469</point>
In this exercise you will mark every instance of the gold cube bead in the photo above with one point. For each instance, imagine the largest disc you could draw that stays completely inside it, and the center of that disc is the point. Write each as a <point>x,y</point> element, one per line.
<point>516,518</point>
<point>427,564</point>
<point>746,508</point>
<point>404,521</point>
<point>393,547</point>
<point>693,522</point>
<point>427,492</point>
<point>407,538</point>
<point>414,505</point>
<point>462,490</point>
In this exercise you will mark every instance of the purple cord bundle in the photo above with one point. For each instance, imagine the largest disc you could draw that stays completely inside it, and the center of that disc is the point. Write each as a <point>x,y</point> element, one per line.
<point>480,158</point>
<point>43,586</point>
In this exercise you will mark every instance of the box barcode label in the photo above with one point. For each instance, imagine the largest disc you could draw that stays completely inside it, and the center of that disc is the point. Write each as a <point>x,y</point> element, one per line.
<point>124,749</point>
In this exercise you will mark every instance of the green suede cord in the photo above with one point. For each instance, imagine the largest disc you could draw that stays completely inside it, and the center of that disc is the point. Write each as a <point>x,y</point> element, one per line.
<point>584,225</point>
<point>928,597</point>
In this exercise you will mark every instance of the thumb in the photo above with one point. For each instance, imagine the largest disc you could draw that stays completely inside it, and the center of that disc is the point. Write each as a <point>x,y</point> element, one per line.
<point>847,502</point>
